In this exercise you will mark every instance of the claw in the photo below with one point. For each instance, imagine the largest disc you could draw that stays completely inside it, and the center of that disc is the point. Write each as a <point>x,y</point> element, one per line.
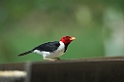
<point>58,59</point>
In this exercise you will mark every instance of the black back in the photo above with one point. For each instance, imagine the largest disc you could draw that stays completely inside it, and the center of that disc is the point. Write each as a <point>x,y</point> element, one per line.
<point>49,46</point>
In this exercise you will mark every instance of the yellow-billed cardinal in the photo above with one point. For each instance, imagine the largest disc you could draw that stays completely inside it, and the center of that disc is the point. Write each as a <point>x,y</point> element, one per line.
<point>53,49</point>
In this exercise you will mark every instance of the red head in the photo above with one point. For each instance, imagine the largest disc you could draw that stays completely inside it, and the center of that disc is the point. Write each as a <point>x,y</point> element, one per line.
<point>67,39</point>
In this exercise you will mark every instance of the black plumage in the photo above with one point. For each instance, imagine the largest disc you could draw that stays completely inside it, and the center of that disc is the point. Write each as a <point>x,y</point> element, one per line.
<point>66,46</point>
<point>49,46</point>
<point>25,53</point>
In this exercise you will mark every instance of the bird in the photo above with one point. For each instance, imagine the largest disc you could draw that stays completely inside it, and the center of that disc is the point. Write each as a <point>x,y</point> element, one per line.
<point>52,50</point>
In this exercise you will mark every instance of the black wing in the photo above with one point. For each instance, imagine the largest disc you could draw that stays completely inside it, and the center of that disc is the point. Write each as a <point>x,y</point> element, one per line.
<point>50,46</point>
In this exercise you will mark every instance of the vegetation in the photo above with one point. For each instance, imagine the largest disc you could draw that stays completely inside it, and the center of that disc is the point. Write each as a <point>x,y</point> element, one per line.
<point>25,24</point>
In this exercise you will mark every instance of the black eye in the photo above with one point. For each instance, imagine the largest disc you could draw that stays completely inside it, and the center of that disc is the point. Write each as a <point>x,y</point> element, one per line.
<point>66,38</point>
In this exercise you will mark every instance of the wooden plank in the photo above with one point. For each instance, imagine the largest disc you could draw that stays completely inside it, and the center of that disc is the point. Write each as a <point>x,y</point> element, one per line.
<point>12,66</point>
<point>87,70</point>
<point>12,72</point>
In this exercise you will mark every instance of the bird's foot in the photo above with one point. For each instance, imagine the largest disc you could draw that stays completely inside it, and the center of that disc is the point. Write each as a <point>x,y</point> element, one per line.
<point>58,59</point>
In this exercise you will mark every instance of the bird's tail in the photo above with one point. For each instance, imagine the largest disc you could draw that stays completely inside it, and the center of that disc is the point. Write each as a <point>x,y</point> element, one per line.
<point>25,53</point>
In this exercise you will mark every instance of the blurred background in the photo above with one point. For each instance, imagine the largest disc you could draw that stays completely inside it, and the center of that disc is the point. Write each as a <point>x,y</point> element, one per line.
<point>97,25</point>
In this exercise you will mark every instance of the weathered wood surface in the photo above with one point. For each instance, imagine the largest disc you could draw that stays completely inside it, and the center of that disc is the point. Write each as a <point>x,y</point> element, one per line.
<point>110,69</point>
<point>11,72</point>
<point>13,66</point>
<point>106,69</point>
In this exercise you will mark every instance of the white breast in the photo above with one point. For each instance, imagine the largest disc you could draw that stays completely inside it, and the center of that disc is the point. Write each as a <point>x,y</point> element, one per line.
<point>57,53</point>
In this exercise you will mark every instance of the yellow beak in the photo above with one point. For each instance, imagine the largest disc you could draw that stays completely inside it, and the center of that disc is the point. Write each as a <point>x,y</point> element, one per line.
<point>72,38</point>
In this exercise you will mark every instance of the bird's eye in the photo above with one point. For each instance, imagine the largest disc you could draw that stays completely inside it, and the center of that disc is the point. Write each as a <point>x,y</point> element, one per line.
<point>66,38</point>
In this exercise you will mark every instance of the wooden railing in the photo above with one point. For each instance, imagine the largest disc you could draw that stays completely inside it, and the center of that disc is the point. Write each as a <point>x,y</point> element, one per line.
<point>108,69</point>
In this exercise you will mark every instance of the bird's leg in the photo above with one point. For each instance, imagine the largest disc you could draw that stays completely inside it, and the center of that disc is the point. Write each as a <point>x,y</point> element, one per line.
<point>49,59</point>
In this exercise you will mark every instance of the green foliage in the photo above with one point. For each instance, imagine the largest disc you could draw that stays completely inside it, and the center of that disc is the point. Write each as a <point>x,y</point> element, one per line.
<point>25,24</point>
